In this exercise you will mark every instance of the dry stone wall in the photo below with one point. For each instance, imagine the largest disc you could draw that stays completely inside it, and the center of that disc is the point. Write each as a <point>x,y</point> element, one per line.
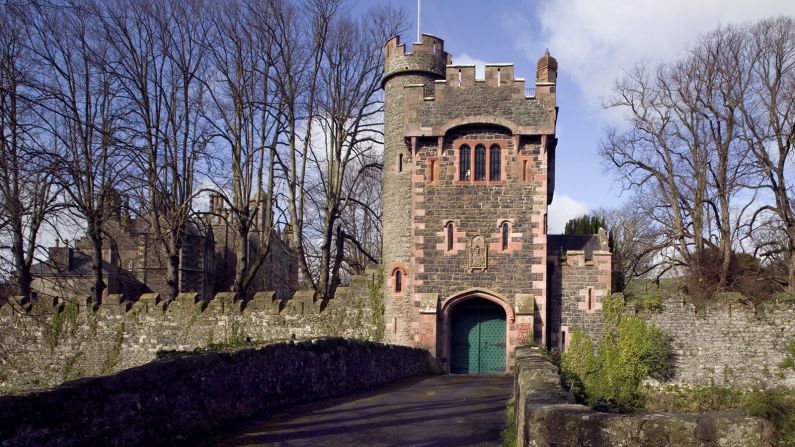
<point>546,415</point>
<point>47,344</point>
<point>160,402</point>
<point>729,342</point>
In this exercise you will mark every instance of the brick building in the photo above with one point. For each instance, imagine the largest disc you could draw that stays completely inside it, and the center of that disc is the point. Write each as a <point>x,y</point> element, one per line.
<point>468,174</point>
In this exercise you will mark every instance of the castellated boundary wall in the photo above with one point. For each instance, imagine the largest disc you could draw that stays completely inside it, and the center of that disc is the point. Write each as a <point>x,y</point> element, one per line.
<point>546,415</point>
<point>728,342</point>
<point>165,401</point>
<point>49,343</point>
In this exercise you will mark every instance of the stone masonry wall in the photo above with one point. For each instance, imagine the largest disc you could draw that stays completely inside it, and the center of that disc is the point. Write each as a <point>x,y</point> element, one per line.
<point>480,210</point>
<point>47,345</point>
<point>546,415</point>
<point>577,288</point>
<point>161,402</point>
<point>729,343</point>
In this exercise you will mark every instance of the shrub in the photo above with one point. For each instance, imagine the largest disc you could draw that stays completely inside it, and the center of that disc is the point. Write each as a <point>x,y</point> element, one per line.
<point>630,352</point>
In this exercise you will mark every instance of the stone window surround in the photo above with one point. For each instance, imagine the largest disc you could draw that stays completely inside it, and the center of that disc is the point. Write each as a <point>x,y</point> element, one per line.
<point>596,297</point>
<point>398,266</point>
<point>432,170</point>
<point>487,143</point>
<point>514,239</point>
<point>459,237</point>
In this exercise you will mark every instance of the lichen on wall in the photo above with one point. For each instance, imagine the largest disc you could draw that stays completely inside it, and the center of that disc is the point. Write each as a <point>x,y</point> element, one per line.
<point>45,344</point>
<point>729,342</point>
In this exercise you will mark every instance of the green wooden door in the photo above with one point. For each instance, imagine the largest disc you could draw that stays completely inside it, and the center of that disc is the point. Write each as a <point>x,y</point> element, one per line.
<point>477,339</point>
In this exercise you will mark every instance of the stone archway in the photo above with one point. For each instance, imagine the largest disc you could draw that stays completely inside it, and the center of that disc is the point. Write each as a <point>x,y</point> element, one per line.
<point>476,333</point>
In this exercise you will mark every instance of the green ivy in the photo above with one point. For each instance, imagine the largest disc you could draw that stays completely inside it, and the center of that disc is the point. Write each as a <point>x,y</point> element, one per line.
<point>376,302</point>
<point>789,359</point>
<point>52,330</point>
<point>68,371</point>
<point>630,352</point>
<point>113,356</point>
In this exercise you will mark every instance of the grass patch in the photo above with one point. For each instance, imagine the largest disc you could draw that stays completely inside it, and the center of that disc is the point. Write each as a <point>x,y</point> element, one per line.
<point>508,433</point>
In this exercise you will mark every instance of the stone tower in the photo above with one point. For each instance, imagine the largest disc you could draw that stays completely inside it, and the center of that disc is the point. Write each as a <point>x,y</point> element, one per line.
<point>468,175</point>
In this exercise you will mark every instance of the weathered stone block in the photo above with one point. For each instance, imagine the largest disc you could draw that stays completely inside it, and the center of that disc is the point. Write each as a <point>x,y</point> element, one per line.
<point>264,301</point>
<point>429,303</point>
<point>525,304</point>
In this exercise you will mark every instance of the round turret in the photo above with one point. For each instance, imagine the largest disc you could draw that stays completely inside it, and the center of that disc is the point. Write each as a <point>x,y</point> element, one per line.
<point>426,58</point>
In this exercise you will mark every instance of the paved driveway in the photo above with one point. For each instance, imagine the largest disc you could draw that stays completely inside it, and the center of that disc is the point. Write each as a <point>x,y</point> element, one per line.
<point>452,410</point>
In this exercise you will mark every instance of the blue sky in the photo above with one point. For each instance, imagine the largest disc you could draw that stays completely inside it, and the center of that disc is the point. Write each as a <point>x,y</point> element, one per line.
<point>594,41</point>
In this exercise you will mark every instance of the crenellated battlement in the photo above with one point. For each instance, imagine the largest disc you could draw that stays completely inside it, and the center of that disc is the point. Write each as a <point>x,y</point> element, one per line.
<point>427,57</point>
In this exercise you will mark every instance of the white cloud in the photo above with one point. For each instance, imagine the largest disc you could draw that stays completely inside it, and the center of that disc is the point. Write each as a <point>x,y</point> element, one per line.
<point>480,64</point>
<point>595,41</point>
<point>562,209</point>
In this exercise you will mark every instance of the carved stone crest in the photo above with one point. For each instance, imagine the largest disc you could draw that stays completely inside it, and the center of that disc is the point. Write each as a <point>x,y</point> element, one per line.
<point>478,253</point>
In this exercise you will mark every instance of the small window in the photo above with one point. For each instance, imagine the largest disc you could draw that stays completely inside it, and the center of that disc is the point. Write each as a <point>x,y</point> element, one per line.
<point>434,48</point>
<point>498,77</point>
<point>590,299</point>
<point>505,236</point>
<point>494,162</point>
<point>524,170</point>
<point>480,162</point>
<point>463,173</point>
<point>459,77</point>
<point>400,163</point>
<point>130,264</point>
<point>431,167</point>
<point>563,340</point>
<point>450,236</point>
<point>398,281</point>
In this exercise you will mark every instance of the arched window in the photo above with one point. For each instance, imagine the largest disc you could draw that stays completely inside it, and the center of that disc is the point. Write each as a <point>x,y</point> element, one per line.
<point>463,172</point>
<point>450,236</point>
<point>505,236</point>
<point>398,281</point>
<point>400,163</point>
<point>480,162</point>
<point>494,162</point>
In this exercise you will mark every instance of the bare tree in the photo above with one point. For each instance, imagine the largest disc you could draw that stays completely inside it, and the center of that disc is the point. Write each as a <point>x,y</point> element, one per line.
<point>245,122</point>
<point>768,126</point>
<point>27,193</point>
<point>298,60</point>
<point>349,117</point>
<point>159,49</point>
<point>649,155</point>
<point>79,103</point>
<point>682,142</point>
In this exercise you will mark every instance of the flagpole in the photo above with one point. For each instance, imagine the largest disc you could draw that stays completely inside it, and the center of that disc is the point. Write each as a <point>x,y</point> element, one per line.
<point>419,5</point>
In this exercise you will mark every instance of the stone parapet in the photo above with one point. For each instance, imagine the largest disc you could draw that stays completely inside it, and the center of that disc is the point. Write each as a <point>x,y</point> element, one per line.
<point>164,401</point>
<point>50,342</point>
<point>546,416</point>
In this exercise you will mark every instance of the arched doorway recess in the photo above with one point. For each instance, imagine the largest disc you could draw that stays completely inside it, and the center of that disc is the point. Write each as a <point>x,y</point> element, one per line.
<point>477,337</point>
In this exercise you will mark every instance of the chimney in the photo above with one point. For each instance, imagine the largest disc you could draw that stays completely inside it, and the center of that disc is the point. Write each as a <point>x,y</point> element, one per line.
<point>61,258</point>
